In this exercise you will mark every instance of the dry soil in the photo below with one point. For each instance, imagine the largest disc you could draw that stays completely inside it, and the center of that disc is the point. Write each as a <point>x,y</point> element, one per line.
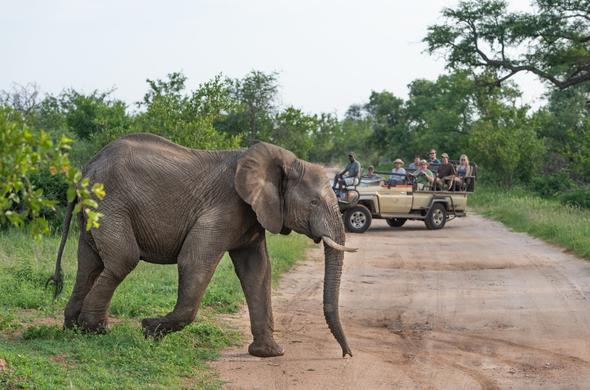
<point>471,306</point>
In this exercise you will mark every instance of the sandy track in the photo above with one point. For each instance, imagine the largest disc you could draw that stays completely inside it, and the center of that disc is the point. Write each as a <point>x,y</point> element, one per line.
<point>470,306</point>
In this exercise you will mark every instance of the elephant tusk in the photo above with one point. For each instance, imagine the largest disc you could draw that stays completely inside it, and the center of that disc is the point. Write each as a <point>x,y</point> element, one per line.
<point>334,245</point>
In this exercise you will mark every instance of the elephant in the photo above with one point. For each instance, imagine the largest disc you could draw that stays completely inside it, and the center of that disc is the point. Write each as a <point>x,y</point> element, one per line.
<point>168,204</point>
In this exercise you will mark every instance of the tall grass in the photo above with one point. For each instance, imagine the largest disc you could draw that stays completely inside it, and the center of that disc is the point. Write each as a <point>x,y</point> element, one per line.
<point>40,354</point>
<point>547,219</point>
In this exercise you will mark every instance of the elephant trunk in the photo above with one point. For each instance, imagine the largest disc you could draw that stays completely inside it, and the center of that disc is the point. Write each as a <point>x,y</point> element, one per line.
<point>333,270</point>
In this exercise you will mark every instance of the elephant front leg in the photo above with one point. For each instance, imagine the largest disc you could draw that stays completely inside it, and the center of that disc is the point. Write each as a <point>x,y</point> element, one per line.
<point>196,263</point>
<point>253,268</point>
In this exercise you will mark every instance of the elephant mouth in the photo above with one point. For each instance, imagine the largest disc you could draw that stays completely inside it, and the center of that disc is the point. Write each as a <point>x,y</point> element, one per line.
<point>317,240</point>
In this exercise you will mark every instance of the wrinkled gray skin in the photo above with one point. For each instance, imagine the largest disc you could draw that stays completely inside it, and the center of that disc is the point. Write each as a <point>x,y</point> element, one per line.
<point>167,204</point>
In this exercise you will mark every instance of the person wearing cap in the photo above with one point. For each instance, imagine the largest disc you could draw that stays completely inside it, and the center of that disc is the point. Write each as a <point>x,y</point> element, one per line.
<point>424,176</point>
<point>446,173</point>
<point>398,174</point>
<point>351,174</point>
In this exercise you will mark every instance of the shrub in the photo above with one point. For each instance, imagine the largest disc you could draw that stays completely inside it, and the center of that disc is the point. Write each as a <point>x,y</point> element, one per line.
<point>552,185</point>
<point>579,197</point>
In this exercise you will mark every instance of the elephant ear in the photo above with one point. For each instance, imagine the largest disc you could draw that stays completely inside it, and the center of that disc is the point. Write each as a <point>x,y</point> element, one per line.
<point>259,182</point>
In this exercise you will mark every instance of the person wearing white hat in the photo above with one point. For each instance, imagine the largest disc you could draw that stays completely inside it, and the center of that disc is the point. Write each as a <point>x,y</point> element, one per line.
<point>398,174</point>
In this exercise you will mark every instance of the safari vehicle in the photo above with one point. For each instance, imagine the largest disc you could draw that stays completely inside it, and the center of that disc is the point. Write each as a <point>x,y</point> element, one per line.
<point>400,203</point>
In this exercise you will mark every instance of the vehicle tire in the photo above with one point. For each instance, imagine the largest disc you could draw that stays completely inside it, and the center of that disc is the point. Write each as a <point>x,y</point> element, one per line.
<point>437,217</point>
<point>396,222</point>
<point>357,219</point>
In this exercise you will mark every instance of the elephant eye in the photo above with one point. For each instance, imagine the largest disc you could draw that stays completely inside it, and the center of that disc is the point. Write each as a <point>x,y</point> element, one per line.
<point>314,203</point>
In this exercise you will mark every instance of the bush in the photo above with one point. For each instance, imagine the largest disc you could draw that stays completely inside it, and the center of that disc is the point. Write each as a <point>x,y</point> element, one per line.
<point>579,197</point>
<point>55,188</point>
<point>552,185</point>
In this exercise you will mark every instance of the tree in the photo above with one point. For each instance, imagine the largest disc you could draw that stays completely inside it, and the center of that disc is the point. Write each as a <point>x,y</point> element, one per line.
<point>552,41</point>
<point>256,95</point>
<point>324,138</point>
<point>292,130</point>
<point>25,152</point>
<point>506,145</point>
<point>565,125</point>
<point>22,98</point>
<point>388,121</point>
<point>80,114</point>
<point>355,135</point>
<point>187,118</point>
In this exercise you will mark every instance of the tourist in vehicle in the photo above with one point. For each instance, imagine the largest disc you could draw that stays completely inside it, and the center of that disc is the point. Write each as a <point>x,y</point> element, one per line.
<point>464,172</point>
<point>398,174</point>
<point>446,173</point>
<point>432,158</point>
<point>350,175</point>
<point>415,165</point>
<point>424,176</point>
<point>371,176</point>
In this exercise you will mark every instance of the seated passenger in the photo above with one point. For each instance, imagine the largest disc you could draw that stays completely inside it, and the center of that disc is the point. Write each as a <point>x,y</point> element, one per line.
<point>414,166</point>
<point>371,176</point>
<point>464,172</point>
<point>446,173</point>
<point>398,174</point>
<point>432,157</point>
<point>424,176</point>
<point>350,175</point>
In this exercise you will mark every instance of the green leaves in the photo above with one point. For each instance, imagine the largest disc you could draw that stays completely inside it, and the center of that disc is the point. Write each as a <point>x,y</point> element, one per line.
<point>483,36</point>
<point>24,153</point>
<point>187,119</point>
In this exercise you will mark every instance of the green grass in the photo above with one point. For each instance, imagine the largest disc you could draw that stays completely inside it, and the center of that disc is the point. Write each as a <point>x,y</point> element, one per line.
<point>547,219</point>
<point>39,354</point>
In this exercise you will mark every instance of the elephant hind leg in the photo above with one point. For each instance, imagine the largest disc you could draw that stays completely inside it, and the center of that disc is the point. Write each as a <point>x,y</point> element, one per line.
<point>89,267</point>
<point>253,268</point>
<point>119,256</point>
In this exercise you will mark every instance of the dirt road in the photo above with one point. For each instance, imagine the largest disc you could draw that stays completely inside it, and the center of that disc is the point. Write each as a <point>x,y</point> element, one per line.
<point>470,306</point>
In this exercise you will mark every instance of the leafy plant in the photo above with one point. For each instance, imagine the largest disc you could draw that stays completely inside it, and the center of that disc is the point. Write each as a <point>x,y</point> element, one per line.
<point>579,197</point>
<point>552,185</point>
<point>551,41</point>
<point>25,152</point>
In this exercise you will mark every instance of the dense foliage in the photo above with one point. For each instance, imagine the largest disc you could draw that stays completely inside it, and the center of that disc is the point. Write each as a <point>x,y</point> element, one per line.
<point>552,41</point>
<point>26,155</point>
<point>547,148</point>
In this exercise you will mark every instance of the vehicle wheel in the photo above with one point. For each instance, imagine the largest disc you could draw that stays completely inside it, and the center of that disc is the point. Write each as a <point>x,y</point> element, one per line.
<point>396,222</point>
<point>357,219</point>
<point>437,217</point>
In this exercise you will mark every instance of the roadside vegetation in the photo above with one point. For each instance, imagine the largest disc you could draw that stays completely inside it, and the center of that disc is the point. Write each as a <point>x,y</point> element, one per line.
<point>526,211</point>
<point>38,353</point>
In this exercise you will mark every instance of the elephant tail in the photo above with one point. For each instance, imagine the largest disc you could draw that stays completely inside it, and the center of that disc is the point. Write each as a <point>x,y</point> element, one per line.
<point>57,278</point>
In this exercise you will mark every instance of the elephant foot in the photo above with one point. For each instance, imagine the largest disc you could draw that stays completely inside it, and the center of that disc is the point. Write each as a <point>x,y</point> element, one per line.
<point>71,323</point>
<point>71,319</point>
<point>159,327</point>
<point>90,324</point>
<point>265,349</point>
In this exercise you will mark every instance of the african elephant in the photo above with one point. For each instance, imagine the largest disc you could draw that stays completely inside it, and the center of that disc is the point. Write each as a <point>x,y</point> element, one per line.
<point>168,204</point>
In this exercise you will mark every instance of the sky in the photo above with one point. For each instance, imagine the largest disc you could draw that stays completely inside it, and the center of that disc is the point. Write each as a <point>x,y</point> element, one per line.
<point>329,54</point>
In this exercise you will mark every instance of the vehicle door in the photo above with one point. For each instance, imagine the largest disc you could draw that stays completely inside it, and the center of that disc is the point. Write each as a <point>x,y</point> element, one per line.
<point>395,200</point>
